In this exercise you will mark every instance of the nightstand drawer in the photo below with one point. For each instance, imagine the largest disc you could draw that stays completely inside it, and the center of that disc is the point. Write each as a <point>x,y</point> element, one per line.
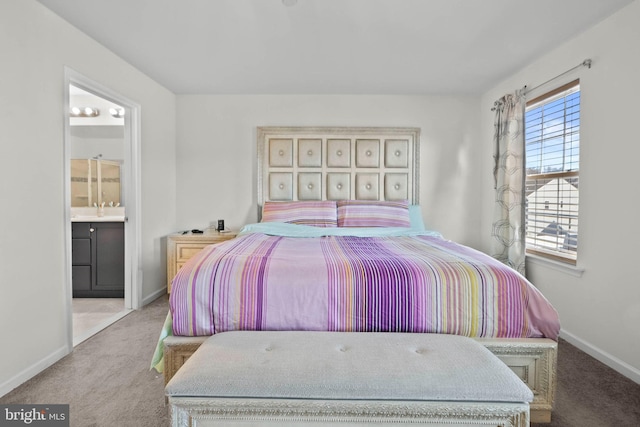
<point>184,251</point>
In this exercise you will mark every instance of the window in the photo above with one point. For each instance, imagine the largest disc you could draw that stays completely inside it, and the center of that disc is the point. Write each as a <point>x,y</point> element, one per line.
<point>552,146</point>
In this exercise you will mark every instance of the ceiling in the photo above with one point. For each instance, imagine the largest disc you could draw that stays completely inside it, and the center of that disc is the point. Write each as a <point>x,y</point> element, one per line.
<point>331,46</point>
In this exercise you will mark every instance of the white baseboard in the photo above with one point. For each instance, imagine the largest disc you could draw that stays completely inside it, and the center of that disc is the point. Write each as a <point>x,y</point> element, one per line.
<point>611,361</point>
<point>33,370</point>
<point>154,296</point>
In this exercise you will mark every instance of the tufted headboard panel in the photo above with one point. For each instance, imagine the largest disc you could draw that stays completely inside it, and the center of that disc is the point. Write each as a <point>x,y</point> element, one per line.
<point>338,163</point>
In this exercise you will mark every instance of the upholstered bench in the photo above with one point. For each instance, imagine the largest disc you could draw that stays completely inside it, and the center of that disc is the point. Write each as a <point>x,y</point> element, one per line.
<point>334,378</point>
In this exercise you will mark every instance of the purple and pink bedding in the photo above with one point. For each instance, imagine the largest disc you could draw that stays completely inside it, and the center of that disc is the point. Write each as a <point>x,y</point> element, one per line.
<point>409,282</point>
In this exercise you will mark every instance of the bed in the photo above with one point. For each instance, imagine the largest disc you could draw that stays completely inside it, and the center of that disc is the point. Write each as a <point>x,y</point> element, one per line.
<point>341,246</point>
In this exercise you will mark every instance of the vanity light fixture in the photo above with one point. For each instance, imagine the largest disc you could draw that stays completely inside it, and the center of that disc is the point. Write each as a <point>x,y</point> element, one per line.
<point>117,113</point>
<point>84,112</point>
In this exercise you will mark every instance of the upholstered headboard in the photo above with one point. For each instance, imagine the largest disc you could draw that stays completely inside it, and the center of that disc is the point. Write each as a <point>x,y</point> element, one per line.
<point>337,163</point>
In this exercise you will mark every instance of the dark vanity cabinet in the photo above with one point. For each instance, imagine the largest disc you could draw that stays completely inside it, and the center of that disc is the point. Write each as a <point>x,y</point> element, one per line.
<point>98,259</point>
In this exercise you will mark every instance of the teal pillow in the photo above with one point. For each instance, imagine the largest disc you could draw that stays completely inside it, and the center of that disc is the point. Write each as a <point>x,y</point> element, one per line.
<point>415,217</point>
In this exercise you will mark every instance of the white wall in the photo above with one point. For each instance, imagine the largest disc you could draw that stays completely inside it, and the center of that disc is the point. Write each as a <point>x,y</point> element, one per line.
<point>216,154</point>
<point>90,141</point>
<point>600,310</point>
<point>36,45</point>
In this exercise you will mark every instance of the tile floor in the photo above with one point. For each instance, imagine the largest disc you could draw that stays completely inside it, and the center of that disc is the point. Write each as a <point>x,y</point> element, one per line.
<point>91,315</point>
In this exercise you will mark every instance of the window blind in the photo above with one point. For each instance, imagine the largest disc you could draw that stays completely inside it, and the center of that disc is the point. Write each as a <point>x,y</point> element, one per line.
<point>552,145</point>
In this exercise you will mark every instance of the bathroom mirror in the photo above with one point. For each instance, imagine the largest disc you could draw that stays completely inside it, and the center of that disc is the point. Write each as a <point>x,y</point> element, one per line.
<point>95,181</point>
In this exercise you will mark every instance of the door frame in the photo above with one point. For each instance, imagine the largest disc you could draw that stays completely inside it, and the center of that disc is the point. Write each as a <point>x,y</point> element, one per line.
<point>131,185</point>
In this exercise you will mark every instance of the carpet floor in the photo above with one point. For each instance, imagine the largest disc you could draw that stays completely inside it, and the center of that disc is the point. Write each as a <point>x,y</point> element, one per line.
<point>107,382</point>
<point>106,379</point>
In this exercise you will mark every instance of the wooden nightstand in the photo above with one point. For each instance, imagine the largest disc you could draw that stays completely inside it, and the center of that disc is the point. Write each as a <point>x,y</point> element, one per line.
<point>181,247</point>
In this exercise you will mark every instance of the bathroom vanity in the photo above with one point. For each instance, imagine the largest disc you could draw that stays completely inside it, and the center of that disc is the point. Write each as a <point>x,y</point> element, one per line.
<point>97,257</point>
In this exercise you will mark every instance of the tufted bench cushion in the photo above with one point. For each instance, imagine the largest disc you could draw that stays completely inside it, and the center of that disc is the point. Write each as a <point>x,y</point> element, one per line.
<point>278,377</point>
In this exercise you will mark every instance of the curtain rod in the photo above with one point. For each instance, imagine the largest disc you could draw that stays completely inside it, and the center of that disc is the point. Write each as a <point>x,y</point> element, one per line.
<point>585,63</point>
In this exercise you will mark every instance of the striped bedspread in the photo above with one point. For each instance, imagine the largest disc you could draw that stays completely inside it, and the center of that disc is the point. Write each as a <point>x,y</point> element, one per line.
<point>406,283</point>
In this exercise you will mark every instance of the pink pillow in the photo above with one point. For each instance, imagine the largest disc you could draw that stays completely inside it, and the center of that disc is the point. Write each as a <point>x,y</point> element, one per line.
<point>370,213</point>
<point>314,213</point>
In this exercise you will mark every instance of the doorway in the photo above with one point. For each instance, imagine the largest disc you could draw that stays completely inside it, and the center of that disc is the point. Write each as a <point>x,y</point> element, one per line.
<point>101,164</point>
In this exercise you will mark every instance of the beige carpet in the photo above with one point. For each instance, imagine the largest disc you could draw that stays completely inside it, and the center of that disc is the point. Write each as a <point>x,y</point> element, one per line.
<point>107,382</point>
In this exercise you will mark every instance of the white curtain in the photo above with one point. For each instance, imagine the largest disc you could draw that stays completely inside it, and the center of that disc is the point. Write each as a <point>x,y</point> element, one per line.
<point>508,243</point>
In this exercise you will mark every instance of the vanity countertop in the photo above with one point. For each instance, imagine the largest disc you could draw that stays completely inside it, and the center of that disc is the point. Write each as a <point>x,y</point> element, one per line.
<point>110,214</point>
<point>106,218</point>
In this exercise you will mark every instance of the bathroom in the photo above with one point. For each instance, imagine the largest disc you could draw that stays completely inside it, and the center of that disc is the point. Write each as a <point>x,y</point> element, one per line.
<point>96,136</point>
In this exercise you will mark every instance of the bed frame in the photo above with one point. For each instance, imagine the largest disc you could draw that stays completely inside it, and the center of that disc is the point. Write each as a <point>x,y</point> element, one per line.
<point>367,163</point>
